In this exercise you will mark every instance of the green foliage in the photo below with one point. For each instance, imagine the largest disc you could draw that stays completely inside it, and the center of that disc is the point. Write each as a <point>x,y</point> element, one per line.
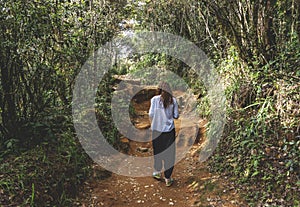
<point>42,175</point>
<point>103,108</point>
<point>43,46</point>
<point>261,140</point>
<point>188,19</point>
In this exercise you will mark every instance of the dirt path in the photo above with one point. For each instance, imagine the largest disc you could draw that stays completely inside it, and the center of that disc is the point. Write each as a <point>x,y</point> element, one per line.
<point>193,186</point>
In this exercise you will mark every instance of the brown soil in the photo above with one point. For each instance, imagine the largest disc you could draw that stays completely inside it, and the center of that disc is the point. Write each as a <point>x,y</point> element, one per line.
<point>194,185</point>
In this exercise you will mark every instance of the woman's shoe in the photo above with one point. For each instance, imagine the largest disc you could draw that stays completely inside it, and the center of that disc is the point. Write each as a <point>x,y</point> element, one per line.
<point>156,175</point>
<point>169,181</point>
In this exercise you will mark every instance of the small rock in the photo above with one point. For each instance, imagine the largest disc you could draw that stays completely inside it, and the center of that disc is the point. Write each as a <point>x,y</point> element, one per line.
<point>163,199</point>
<point>124,140</point>
<point>142,125</point>
<point>142,149</point>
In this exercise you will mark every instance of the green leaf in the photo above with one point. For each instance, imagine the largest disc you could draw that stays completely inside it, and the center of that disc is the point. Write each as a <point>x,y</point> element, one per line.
<point>255,173</point>
<point>9,145</point>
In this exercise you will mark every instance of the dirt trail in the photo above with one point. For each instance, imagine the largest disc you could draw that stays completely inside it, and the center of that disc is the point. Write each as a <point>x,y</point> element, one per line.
<point>193,186</point>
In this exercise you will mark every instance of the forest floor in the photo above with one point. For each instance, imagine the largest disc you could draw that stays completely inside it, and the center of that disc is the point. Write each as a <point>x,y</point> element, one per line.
<point>194,185</point>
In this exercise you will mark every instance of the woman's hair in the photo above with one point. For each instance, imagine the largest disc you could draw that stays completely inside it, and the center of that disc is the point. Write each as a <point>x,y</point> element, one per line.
<point>166,94</point>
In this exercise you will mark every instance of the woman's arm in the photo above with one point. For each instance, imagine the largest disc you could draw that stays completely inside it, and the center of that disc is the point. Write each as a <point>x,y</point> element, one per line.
<point>151,110</point>
<point>175,110</point>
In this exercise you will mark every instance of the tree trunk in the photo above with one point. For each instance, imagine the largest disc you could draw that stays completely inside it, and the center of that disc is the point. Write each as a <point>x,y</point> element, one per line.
<point>9,113</point>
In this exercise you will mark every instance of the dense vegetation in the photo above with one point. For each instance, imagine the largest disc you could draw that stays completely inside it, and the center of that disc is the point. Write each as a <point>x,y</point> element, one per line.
<point>255,48</point>
<point>43,46</point>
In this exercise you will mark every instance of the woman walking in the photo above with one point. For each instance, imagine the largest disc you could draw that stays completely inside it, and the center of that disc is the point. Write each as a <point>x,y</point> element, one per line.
<point>163,111</point>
